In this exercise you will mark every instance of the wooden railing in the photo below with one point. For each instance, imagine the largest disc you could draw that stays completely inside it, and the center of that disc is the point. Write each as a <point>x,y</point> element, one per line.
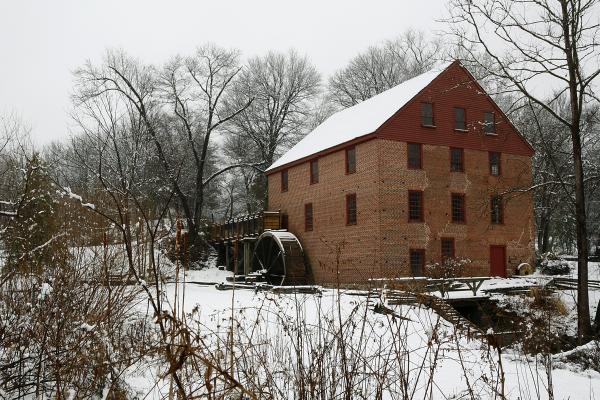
<point>246,226</point>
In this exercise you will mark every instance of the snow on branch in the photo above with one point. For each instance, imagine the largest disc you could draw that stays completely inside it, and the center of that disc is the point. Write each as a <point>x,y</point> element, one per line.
<point>41,246</point>
<point>4,213</point>
<point>74,196</point>
<point>242,165</point>
<point>548,183</point>
<point>10,214</point>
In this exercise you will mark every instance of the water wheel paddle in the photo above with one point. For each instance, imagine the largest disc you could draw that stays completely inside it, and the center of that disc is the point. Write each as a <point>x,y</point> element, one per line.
<point>278,255</point>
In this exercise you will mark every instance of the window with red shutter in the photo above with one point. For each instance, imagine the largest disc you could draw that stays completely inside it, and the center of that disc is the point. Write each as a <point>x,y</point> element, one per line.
<point>458,208</point>
<point>314,171</point>
<point>496,211</point>
<point>414,155</point>
<point>457,162</point>
<point>284,180</point>
<point>427,114</point>
<point>415,206</point>
<point>417,262</point>
<point>308,217</point>
<point>489,123</point>
<point>447,248</point>
<point>494,163</point>
<point>351,160</point>
<point>351,209</point>
<point>460,119</point>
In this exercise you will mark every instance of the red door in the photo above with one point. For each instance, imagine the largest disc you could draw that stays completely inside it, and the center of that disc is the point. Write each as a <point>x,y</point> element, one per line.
<point>498,261</point>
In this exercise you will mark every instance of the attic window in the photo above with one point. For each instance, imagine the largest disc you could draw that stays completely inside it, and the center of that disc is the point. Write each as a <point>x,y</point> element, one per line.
<point>284,180</point>
<point>427,114</point>
<point>489,123</point>
<point>460,119</point>
<point>314,171</point>
<point>351,160</point>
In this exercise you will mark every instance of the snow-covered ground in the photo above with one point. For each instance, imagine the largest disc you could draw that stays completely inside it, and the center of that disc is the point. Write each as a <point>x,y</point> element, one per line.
<point>418,352</point>
<point>266,320</point>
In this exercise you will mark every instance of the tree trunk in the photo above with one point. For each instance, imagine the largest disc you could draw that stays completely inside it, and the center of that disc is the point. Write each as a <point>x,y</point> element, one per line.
<point>584,328</point>
<point>546,238</point>
<point>597,320</point>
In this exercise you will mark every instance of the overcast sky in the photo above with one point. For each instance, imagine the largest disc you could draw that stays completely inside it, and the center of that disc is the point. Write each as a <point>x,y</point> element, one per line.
<point>42,42</point>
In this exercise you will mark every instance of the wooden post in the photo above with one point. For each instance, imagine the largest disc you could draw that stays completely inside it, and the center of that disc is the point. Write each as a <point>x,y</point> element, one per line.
<point>105,256</point>
<point>236,250</point>
<point>227,256</point>
<point>247,257</point>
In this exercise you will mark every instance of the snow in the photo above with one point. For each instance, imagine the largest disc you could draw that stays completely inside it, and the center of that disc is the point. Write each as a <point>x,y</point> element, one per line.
<point>45,290</point>
<point>208,275</point>
<point>359,120</point>
<point>265,319</point>
<point>569,297</point>
<point>76,197</point>
<point>86,327</point>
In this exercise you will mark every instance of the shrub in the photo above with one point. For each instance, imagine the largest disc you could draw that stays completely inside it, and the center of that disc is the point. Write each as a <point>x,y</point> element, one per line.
<point>449,268</point>
<point>62,331</point>
<point>551,264</point>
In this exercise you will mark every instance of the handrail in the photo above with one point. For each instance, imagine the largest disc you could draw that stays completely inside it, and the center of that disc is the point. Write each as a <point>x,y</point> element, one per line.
<point>244,226</point>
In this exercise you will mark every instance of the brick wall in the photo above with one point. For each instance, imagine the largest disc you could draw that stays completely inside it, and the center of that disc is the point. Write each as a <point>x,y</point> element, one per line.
<point>359,244</point>
<point>473,238</point>
<point>379,244</point>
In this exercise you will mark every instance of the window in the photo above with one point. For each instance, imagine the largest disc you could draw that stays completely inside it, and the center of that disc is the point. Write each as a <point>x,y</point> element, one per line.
<point>494,163</point>
<point>417,261</point>
<point>415,206</point>
<point>351,160</point>
<point>460,119</point>
<point>351,209</point>
<point>314,171</point>
<point>489,123</point>
<point>496,210</point>
<point>457,159</point>
<point>415,151</point>
<point>458,208</point>
<point>308,217</point>
<point>427,114</point>
<point>447,248</point>
<point>284,180</point>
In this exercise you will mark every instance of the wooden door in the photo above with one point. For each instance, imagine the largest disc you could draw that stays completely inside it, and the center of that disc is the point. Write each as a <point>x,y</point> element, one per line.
<point>498,261</point>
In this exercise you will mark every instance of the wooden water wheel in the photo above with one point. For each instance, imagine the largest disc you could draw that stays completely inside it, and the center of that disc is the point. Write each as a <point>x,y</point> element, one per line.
<point>278,255</point>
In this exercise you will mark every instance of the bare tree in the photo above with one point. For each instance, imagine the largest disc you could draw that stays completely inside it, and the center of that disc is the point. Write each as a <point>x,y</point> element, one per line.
<point>283,87</point>
<point>551,166</point>
<point>184,101</point>
<point>550,41</point>
<point>384,66</point>
<point>14,145</point>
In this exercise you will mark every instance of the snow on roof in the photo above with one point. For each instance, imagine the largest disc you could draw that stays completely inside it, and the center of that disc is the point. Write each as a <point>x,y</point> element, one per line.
<point>359,120</point>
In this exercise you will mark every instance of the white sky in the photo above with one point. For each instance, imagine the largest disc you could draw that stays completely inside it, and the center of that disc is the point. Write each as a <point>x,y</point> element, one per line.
<point>42,42</point>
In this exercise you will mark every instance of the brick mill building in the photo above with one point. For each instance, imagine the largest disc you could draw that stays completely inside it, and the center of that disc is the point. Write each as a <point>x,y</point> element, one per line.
<point>420,172</point>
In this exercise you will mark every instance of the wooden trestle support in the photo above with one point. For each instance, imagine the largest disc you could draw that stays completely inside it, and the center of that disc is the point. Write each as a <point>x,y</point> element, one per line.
<point>259,245</point>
